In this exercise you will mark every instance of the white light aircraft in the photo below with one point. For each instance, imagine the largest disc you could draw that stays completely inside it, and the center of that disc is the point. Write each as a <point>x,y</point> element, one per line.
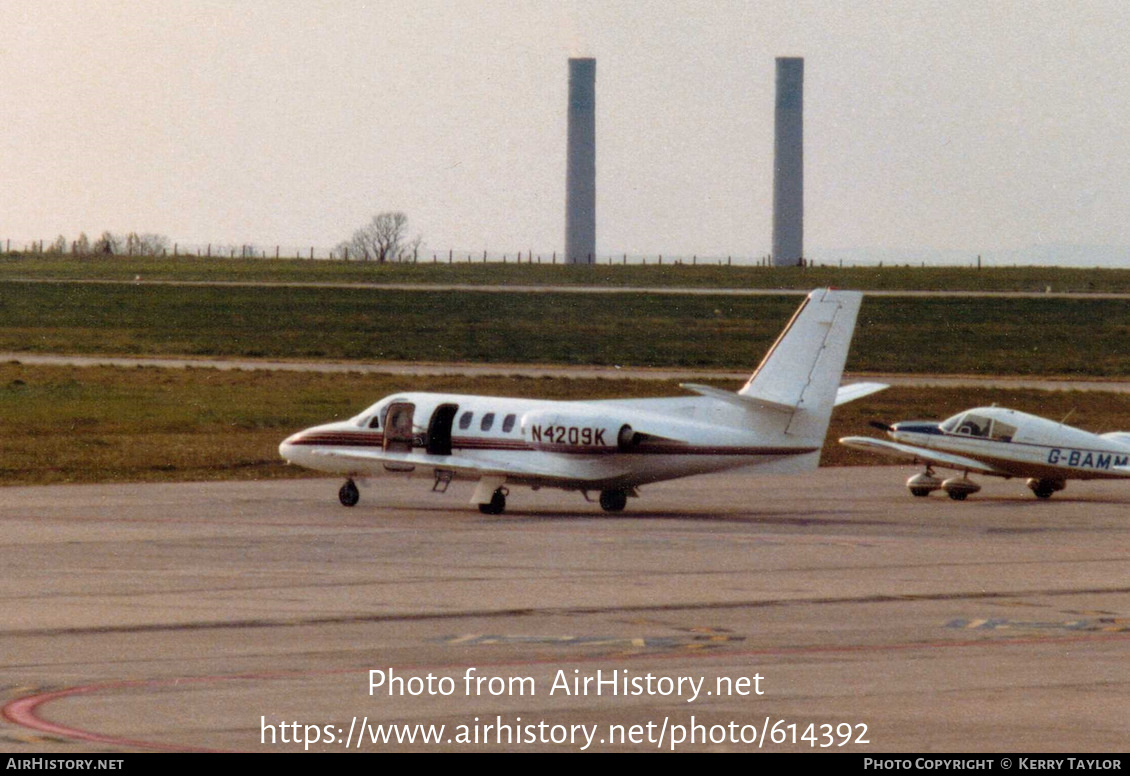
<point>779,419</point>
<point>1001,443</point>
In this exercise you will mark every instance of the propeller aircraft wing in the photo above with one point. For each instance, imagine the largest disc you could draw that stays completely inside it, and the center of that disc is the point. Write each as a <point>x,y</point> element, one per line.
<point>920,454</point>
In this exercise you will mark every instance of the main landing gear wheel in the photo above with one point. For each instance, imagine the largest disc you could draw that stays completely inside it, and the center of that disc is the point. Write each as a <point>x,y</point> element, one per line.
<point>496,505</point>
<point>613,500</point>
<point>1045,488</point>
<point>958,488</point>
<point>922,485</point>
<point>349,495</point>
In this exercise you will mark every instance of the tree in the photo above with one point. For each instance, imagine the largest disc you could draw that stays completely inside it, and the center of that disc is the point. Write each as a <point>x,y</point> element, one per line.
<point>132,244</point>
<point>108,243</point>
<point>146,244</point>
<point>385,238</point>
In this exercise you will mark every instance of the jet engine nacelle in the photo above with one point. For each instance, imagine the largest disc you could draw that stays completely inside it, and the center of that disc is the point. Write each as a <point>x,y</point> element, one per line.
<point>565,432</point>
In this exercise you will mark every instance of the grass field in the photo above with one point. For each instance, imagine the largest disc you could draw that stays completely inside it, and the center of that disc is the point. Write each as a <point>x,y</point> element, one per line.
<point>702,276</point>
<point>945,335</point>
<point>105,424</point>
<point>60,424</point>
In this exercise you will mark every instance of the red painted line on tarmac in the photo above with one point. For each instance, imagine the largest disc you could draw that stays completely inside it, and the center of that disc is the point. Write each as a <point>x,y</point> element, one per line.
<point>25,711</point>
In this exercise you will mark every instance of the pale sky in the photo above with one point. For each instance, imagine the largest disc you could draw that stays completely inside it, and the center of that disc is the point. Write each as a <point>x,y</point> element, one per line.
<point>968,127</point>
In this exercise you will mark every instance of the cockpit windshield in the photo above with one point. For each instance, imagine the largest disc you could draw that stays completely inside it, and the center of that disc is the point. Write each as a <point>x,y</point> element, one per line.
<point>974,424</point>
<point>371,417</point>
<point>950,424</point>
<point>968,424</point>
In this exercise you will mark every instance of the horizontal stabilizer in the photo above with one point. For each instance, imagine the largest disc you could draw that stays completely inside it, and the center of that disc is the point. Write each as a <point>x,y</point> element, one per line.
<point>847,393</point>
<point>844,394</point>
<point>737,399</point>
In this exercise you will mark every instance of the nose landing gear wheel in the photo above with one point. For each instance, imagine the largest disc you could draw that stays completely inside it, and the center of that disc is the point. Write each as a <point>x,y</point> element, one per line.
<point>613,500</point>
<point>349,495</point>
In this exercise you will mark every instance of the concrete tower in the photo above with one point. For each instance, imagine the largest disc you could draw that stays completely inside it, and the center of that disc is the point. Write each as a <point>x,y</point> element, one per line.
<point>580,164</point>
<point>788,164</point>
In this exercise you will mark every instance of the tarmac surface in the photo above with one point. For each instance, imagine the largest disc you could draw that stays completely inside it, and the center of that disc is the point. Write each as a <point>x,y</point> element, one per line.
<point>222,616</point>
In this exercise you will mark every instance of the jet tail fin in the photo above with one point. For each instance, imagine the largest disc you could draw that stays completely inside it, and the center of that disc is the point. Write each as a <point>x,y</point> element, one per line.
<point>802,371</point>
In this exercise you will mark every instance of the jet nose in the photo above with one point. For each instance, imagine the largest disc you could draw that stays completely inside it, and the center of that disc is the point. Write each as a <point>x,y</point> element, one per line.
<point>286,447</point>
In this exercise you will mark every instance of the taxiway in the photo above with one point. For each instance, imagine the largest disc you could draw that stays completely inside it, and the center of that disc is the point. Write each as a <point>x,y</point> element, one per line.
<point>219,616</point>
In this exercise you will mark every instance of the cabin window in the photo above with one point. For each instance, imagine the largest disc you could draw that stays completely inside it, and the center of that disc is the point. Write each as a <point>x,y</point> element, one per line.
<point>465,420</point>
<point>1003,432</point>
<point>375,422</point>
<point>488,421</point>
<point>508,423</point>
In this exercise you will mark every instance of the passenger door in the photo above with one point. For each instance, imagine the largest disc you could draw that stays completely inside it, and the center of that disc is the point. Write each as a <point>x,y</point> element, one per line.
<point>439,429</point>
<point>398,433</point>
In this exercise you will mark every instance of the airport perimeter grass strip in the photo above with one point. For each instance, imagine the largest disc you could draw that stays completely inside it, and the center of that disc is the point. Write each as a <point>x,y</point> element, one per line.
<point>913,335</point>
<point>118,424</point>
<point>706,274</point>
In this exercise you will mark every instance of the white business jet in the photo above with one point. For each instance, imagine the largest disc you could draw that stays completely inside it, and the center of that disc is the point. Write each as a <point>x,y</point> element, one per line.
<point>612,447</point>
<point>1001,443</point>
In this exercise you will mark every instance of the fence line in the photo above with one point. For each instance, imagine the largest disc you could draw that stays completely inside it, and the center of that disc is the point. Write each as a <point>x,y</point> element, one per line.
<point>460,256</point>
<point>420,256</point>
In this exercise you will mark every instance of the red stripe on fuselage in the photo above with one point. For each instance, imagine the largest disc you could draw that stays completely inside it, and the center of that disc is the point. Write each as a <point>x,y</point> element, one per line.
<point>368,439</point>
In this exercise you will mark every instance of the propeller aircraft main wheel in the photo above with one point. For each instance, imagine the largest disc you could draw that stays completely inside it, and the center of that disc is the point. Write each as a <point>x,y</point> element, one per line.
<point>349,495</point>
<point>958,488</point>
<point>496,505</point>
<point>613,500</point>
<point>922,485</point>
